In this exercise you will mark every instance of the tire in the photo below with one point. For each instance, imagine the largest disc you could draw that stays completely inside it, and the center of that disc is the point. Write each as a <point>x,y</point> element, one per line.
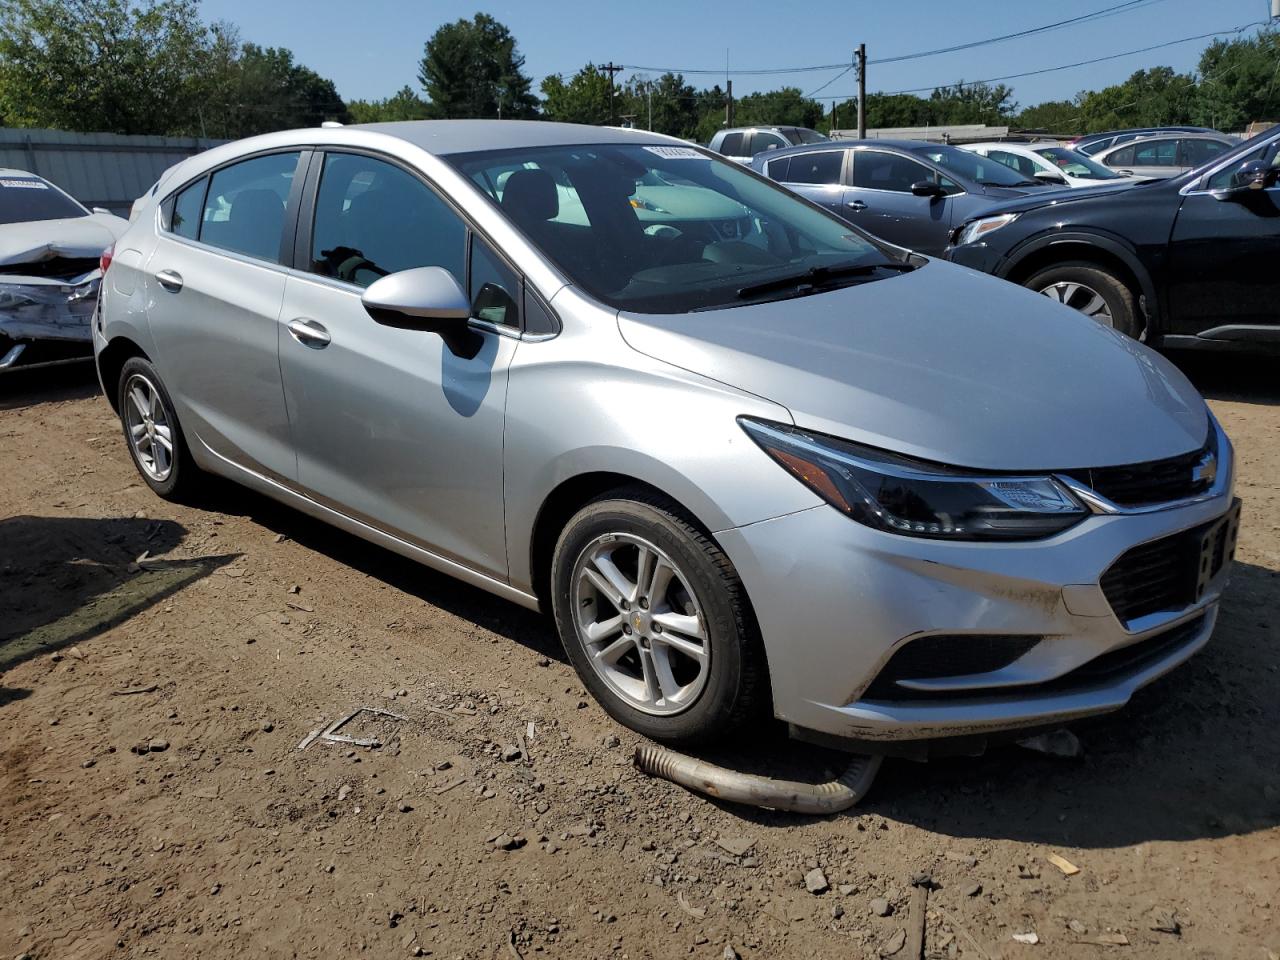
<point>1078,283</point>
<point>171,473</point>
<point>702,595</point>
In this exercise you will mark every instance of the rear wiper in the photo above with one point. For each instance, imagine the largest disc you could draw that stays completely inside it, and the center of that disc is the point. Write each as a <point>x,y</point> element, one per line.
<point>816,276</point>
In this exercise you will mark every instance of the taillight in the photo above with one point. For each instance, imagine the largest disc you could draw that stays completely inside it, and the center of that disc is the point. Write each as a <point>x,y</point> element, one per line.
<point>105,260</point>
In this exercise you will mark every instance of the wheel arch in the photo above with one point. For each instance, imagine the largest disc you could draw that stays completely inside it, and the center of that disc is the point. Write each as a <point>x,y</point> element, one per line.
<point>111,360</point>
<point>1109,253</point>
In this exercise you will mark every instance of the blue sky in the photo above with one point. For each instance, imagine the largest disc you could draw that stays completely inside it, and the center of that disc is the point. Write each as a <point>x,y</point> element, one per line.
<point>371,49</point>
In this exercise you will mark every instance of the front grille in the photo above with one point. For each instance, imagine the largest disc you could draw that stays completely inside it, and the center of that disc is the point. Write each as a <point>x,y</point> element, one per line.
<point>1156,481</point>
<point>1171,573</point>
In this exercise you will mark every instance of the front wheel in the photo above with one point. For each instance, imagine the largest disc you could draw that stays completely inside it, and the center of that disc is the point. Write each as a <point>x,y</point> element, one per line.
<point>1093,291</point>
<point>655,620</point>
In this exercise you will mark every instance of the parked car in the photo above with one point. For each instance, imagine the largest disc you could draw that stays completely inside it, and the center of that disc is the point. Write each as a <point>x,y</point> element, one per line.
<point>767,465</point>
<point>1050,163</point>
<point>1184,262</point>
<point>743,143</point>
<point>907,192</point>
<point>50,253</point>
<point>1161,157</point>
<point>1093,143</point>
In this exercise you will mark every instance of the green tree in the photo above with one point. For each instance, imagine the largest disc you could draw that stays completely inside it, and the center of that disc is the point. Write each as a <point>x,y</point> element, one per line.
<point>785,107</point>
<point>1053,116</point>
<point>404,105</point>
<point>1239,82</point>
<point>1149,98</point>
<point>972,103</point>
<point>673,103</point>
<point>583,99</point>
<point>103,65</point>
<point>471,68</point>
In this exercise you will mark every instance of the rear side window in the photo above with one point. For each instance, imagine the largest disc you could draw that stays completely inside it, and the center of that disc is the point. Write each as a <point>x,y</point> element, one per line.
<point>187,208</point>
<point>816,168</point>
<point>373,218</point>
<point>244,208</point>
<point>731,146</point>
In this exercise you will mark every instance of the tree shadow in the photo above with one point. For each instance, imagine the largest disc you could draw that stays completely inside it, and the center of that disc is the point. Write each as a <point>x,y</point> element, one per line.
<point>67,579</point>
<point>1241,377</point>
<point>28,388</point>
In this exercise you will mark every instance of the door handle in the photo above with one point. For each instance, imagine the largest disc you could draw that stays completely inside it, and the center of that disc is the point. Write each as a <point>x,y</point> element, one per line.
<point>856,205</point>
<point>309,333</point>
<point>171,280</point>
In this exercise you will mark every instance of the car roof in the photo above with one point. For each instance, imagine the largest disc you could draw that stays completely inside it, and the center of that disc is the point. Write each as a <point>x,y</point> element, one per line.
<point>1103,134</point>
<point>1008,145</point>
<point>465,136</point>
<point>1167,135</point>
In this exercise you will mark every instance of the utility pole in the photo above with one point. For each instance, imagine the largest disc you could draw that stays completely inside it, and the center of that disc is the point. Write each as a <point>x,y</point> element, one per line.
<point>610,68</point>
<point>862,90</point>
<point>728,103</point>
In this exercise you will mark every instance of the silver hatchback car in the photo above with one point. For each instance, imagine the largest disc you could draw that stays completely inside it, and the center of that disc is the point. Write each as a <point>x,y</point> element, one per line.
<point>750,458</point>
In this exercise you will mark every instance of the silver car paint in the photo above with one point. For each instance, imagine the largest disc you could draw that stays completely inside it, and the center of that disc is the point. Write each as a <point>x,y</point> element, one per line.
<point>833,598</point>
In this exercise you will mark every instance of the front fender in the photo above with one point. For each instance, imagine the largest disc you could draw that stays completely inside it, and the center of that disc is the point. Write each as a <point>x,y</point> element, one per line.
<point>1111,243</point>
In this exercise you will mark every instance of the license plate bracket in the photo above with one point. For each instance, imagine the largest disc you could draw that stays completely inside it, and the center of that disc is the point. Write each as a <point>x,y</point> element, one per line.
<point>1217,547</point>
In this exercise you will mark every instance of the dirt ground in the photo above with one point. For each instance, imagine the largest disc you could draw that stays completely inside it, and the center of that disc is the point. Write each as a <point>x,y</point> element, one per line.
<point>154,802</point>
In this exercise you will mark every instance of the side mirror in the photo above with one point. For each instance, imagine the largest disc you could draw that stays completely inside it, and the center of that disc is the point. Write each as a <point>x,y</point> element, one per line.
<point>100,210</point>
<point>429,299</point>
<point>1248,177</point>
<point>1048,176</point>
<point>927,188</point>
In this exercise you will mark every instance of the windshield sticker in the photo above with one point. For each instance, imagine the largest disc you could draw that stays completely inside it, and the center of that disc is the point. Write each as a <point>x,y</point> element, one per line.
<point>677,153</point>
<point>24,184</point>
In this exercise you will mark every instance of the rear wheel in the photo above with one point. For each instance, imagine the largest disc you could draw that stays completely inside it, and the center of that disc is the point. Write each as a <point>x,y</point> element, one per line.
<point>655,620</point>
<point>1093,291</point>
<point>152,432</point>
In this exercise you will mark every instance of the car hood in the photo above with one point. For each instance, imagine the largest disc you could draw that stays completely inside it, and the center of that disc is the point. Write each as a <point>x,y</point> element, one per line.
<point>72,237</point>
<point>1034,200</point>
<point>945,364</point>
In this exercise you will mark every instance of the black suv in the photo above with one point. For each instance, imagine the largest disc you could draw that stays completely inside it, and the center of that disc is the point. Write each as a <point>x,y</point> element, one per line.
<point>1193,261</point>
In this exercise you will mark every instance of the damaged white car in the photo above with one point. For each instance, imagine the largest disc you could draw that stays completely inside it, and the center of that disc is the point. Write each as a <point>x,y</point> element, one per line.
<point>51,253</point>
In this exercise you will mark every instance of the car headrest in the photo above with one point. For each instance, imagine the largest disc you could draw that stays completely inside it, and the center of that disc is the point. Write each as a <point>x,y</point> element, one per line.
<point>530,195</point>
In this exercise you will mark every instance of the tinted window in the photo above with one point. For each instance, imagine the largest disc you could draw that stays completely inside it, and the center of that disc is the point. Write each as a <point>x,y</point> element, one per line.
<point>1222,179</point>
<point>27,198</point>
<point>761,142</point>
<point>661,228</point>
<point>1121,158</point>
<point>1155,153</point>
<point>989,173</point>
<point>1076,164</point>
<point>244,209</point>
<point>1193,153</point>
<point>732,145</point>
<point>874,170</point>
<point>494,286</point>
<point>1024,165</point>
<point>187,208</point>
<point>777,169</point>
<point>372,218</point>
<point>805,135</point>
<point>820,168</point>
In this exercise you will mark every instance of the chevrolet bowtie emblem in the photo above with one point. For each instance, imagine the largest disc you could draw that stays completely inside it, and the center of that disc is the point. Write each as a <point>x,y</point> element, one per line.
<point>1206,471</point>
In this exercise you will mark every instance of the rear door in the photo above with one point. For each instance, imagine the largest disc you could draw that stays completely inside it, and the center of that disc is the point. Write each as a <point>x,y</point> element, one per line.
<point>214,284</point>
<point>392,427</point>
<point>818,175</point>
<point>1223,256</point>
<point>880,200</point>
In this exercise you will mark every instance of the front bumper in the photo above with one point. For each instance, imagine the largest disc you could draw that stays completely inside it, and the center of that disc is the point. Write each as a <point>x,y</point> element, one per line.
<point>45,320</point>
<point>836,601</point>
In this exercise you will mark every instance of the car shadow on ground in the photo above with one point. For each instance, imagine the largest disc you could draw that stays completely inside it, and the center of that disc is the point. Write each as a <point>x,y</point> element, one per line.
<point>1242,377</point>
<point>66,580</point>
<point>28,388</point>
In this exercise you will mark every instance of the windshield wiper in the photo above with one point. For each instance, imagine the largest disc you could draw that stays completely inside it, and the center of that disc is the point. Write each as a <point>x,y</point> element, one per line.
<point>820,276</point>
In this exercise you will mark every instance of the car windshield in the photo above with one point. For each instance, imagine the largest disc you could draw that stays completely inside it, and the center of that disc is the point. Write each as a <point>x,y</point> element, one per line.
<point>27,198</point>
<point>668,229</point>
<point>1077,164</point>
<point>805,135</point>
<point>972,166</point>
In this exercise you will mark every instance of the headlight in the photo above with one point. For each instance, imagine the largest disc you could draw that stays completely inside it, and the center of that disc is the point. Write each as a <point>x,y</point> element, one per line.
<point>975,229</point>
<point>919,499</point>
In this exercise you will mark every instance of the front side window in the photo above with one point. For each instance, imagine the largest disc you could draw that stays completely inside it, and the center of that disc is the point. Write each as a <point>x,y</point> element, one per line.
<point>875,170</point>
<point>494,287</point>
<point>732,145</point>
<point>761,142</point>
<point>244,207</point>
<point>372,218</point>
<point>1222,179</point>
<point>663,228</point>
<point>816,168</point>
<point>1195,153</point>
<point>1155,153</point>
<point>25,198</point>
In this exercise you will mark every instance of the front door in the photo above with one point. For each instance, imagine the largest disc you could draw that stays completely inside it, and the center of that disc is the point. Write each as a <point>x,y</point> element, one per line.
<point>214,285</point>
<point>1223,256</point>
<point>881,202</point>
<point>392,427</point>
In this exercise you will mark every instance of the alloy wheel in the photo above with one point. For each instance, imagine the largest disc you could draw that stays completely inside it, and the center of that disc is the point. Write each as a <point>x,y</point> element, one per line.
<point>1080,297</point>
<point>150,428</point>
<point>640,625</point>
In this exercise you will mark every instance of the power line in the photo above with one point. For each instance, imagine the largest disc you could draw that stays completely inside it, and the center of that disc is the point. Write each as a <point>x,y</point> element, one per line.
<point>1065,66</point>
<point>1082,18</point>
